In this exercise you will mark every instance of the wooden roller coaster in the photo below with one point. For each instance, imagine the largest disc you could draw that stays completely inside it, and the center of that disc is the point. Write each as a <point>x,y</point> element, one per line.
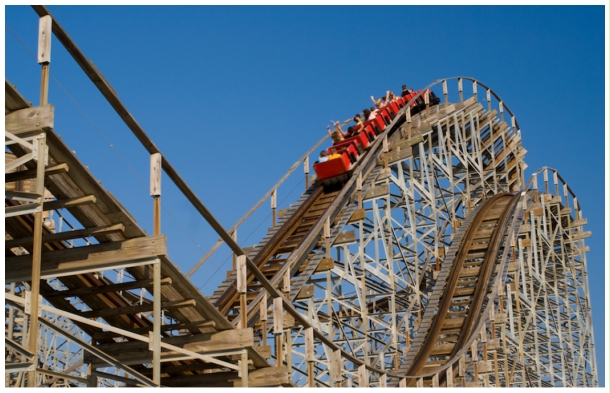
<point>430,266</point>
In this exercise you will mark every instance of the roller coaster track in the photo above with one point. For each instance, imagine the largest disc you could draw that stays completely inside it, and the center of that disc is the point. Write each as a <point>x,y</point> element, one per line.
<point>449,322</point>
<point>433,265</point>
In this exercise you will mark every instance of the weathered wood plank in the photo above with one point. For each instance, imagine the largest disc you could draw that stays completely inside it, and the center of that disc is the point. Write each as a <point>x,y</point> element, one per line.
<point>30,119</point>
<point>86,259</point>
<point>112,312</point>
<point>31,173</point>
<point>63,236</point>
<point>67,203</point>
<point>268,376</point>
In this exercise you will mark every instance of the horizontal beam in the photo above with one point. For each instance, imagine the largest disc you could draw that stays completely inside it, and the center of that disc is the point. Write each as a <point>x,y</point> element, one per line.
<point>106,288</point>
<point>112,312</point>
<point>19,210</point>
<point>227,340</point>
<point>164,328</point>
<point>30,119</point>
<point>31,173</point>
<point>68,203</point>
<point>15,346</point>
<point>127,253</point>
<point>22,196</point>
<point>68,235</point>
<point>267,376</point>
<point>18,367</point>
<point>67,377</point>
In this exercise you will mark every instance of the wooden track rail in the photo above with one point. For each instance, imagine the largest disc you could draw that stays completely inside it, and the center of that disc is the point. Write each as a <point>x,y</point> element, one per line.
<point>466,286</point>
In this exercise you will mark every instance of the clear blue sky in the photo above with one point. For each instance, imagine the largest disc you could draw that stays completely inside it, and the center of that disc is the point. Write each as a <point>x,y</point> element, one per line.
<point>235,95</point>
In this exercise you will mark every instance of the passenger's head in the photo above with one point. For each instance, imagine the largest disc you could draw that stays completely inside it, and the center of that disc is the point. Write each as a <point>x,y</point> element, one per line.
<point>333,151</point>
<point>323,153</point>
<point>391,96</point>
<point>404,87</point>
<point>350,130</point>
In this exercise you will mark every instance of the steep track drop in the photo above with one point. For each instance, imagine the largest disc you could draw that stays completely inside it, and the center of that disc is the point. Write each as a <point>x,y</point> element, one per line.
<point>455,314</point>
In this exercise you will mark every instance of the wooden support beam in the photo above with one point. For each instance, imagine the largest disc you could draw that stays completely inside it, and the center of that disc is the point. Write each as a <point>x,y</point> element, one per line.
<point>164,328</point>
<point>30,119</point>
<point>69,235</point>
<point>267,376</point>
<point>68,203</point>
<point>31,173</point>
<point>133,252</point>
<point>107,288</point>
<point>132,352</point>
<point>112,312</point>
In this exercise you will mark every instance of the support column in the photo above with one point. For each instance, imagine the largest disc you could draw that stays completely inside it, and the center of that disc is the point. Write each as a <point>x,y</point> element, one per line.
<point>44,59</point>
<point>155,338</point>
<point>156,333</point>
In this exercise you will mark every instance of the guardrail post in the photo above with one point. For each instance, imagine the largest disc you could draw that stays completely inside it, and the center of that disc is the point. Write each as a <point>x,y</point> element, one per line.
<point>278,328</point>
<point>306,169</point>
<point>155,190</point>
<point>488,100</point>
<point>273,207</point>
<point>460,89</point>
<point>474,89</point>
<point>242,289</point>
<point>445,92</point>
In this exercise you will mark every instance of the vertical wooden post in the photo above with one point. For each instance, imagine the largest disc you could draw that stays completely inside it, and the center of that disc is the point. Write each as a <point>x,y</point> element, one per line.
<point>449,378</point>
<point>462,369</point>
<point>445,90</point>
<point>243,369</point>
<point>402,383</point>
<point>273,207</point>
<point>427,102</point>
<point>327,236</point>
<point>306,169</point>
<point>408,114</point>
<point>278,328</point>
<point>363,380</point>
<point>44,58</point>
<point>501,104</point>
<point>242,289</point>
<point>359,189</point>
<point>40,145</point>
<point>91,379</point>
<point>263,316</point>
<point>156,334</point>
<point>310,356</point>
<point>383,381</point>
<point>489,101</point>
<point>474,89</point>
<point>45,28</point>
<point>234,237</point>
<point>460,89</point>
<point>335,368</point>
<point>155,190</point>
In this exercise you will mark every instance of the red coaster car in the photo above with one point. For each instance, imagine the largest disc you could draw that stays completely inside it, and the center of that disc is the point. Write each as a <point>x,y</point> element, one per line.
<point>332,168</point>
<point>350,148</point>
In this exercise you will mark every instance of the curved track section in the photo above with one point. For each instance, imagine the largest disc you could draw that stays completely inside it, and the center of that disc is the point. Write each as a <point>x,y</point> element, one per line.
<point>449,323</point>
